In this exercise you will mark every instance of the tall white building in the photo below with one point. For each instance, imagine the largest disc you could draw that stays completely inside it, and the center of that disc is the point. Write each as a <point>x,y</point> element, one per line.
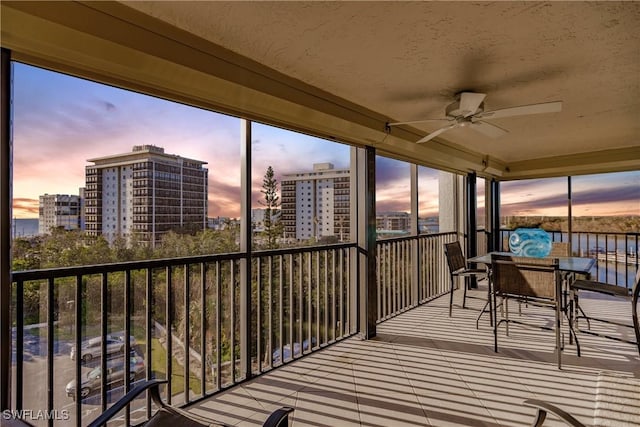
<point>315,205</point>
<point>145,192</point>
<point>58,211</point>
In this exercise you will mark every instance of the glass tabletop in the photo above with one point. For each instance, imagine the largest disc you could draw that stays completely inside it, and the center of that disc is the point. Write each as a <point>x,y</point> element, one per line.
<point>565,263</point>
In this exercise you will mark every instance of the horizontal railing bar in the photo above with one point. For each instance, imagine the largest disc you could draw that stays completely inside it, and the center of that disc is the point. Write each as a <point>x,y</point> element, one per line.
<point>41,274</point>
<point>302,249</point>
<point>84,270</point>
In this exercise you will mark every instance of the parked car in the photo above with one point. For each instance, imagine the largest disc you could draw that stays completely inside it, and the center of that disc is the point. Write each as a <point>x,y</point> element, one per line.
<point>120,337</point>
<point>115,375</point>
<point>92,348</point>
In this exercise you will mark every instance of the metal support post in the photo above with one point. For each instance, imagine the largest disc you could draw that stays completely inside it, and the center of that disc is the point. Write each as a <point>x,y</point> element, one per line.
<point>5,227</point>
<point>246,239</point>
<point>471,226</point>
<point>366,226</point>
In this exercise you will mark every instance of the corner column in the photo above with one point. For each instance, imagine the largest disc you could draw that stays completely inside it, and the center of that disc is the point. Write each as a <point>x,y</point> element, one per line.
<point>5,226</point>
<point>494,216</point>
<point>471,219</point>
<point>366,240</point>
<point>246,240</point>
<point>415,233</point>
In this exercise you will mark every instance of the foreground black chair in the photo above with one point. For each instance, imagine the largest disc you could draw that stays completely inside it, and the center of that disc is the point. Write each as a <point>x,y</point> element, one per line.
<point>175,417</point>
<point>617,404</point>
<point>458,268</point>
<point>612,290</point>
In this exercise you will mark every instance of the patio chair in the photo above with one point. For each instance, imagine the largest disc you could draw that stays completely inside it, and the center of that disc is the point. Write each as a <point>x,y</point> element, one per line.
<point>175,417</point>
<point>559,249</point>
<point>617,404</point>
<point>535,279</point>
<point>562,249</point>
<point>458,268</point>
<point>606,289</point>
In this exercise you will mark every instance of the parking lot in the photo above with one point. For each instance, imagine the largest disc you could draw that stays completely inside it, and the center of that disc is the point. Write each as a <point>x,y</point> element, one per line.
<point>35,384</point>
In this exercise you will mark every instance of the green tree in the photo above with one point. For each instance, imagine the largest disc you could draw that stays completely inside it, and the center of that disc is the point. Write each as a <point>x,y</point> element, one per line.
<point>272,225</point>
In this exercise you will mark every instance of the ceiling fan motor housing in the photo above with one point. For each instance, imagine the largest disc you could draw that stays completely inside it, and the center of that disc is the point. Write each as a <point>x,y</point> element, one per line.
<point>454,110</point>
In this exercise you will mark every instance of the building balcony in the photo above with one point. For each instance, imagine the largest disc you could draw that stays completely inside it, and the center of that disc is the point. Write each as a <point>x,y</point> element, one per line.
<point>291,318</point>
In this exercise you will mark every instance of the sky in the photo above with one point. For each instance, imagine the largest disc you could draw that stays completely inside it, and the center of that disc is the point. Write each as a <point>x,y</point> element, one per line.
<point>59,122</point>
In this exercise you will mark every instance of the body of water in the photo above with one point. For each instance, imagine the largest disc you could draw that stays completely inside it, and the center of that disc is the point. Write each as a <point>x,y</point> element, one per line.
<point>591,244</point>
<point>24,227</point>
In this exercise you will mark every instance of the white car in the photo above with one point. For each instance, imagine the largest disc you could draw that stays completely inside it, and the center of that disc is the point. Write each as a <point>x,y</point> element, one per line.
<point>92,348</point>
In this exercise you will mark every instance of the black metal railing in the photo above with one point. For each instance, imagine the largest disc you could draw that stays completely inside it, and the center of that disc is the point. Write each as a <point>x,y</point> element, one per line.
<point>203,323</point>
<point>410,271</point>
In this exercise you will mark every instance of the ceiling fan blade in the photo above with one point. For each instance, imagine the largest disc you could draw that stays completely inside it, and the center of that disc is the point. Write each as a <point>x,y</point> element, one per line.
<point>546,107</point>
<point>418,121</point>
<point>469,102</point>
<point>488,129</point>
<point>436,133</point>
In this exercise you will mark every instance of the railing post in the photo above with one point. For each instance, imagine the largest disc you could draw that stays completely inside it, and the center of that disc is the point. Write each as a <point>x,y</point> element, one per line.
<point>246,248</point>
<point>366,241</point>
<point>494,218</point>
<point>471,226</point>
<point>5,226</point>
<point>415,233</point>
<point>569,217</point>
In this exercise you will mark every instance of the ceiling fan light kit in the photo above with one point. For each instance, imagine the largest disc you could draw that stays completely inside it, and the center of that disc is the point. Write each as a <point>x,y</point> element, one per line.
<point>467,111</point>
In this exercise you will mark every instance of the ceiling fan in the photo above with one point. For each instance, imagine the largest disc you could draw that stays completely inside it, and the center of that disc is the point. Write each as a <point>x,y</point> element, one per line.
<point>468,111</point>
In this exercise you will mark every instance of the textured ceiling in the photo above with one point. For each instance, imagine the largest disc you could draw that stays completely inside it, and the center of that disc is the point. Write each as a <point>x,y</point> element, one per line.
<point>341,70</point>
<point>406,60</point>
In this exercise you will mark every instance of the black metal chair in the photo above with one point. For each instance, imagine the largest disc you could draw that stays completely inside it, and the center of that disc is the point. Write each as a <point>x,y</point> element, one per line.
<point>458,268</point>
<point>606,289</point>
<point>537,280</point>
<point>175,417</point>
<point>617,403</point>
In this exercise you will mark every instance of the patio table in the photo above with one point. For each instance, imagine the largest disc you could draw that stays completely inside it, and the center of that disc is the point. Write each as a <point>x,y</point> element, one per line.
<point>569,264</point>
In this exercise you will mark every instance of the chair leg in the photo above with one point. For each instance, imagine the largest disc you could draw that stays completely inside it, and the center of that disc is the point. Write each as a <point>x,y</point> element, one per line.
<point>558,343</point>
<point>578,310</point>
<point>495,324</point>
<point>451,296</point>
<point>636,322</point>
<point>570,319</point>
<point>464,294</point>
<point>506,314</point>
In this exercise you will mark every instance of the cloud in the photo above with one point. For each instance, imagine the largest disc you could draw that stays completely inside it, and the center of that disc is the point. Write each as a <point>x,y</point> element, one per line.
<point>224,199</point>
<point>389,171</point>
<point>599,200</point>
<point>25,208</point>
<point>391,206</point>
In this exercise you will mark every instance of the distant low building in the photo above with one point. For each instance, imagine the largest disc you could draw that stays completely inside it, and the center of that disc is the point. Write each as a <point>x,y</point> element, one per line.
<point>393,221</point>
<point>220,222</point>
<point>258,217</point>
<point>58,211</point>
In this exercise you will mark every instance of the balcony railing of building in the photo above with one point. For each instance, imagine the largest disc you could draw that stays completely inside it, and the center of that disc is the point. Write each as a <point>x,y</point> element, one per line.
<point>199,322</point>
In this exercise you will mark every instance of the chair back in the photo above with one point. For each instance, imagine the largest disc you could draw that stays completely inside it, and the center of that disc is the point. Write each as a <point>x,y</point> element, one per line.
<point>559,249</point>
<point>526,276</point>
<point>455,258</point>
<point>635,294</point>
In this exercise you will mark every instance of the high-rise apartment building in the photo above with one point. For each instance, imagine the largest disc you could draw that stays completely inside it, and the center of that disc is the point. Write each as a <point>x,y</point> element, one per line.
<point>315,205</point>
<point>58,211</point>
<point>146,193</point>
